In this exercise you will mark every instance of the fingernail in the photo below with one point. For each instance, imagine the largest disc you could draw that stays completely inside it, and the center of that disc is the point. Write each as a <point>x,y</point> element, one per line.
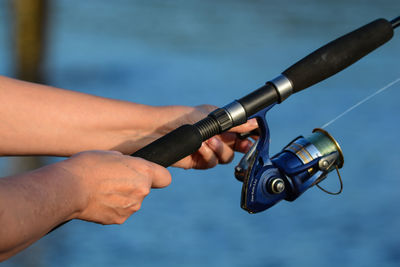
<point>253,122</point>
<point>214,142</point>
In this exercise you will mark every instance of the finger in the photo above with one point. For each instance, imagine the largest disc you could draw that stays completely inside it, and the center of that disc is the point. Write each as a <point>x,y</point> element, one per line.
<point>187,162</point>
<point>222,150</point>
<point>235,143</point>
<point>161,177</point>
<point>204,158</point>
<point>158,175</point>
<point>243,146</point>
<point>255,137</point>
<point>251,134</point>
<point>246,127</point>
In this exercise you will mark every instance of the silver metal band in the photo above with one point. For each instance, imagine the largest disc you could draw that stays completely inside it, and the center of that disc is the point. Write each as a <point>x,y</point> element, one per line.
<point>236,112</point>
<point>284,87</point>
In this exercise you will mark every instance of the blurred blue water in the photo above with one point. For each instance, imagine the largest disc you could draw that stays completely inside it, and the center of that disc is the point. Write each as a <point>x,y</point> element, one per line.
<point>194,52</point>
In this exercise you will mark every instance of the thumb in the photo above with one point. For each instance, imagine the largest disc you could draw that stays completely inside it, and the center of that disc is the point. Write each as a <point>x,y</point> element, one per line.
<point>160,176</point>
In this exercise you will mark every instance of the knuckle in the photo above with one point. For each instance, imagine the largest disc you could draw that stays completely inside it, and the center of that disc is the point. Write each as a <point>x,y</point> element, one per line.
<point>135,208</point>
<point>143,191</point>
<point>228,159</point>
<point>212,165</point>
<point>120,220</point>
<point>151,173</point>
<point>85,155</point>
<point>146,169</point>
<point>127,204</point>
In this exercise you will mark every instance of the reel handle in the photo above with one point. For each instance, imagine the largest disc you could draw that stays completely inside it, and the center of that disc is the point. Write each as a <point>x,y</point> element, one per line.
<point>339,54</point>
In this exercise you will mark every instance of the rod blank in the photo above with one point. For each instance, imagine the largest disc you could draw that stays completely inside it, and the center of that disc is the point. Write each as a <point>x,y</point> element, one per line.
<point>395,22</point>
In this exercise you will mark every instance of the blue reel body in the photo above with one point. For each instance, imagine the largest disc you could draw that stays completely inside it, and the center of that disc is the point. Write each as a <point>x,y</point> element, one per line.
<point>300,165</point>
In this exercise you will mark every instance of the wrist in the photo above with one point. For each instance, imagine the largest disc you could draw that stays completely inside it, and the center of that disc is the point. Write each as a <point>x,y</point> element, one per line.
<point>172,117</point>
<point>68,190</point>
<point>150,123</point>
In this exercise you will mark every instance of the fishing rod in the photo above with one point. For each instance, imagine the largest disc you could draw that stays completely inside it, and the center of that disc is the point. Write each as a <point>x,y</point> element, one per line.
<point>303,163</point>
<point>306,161</point>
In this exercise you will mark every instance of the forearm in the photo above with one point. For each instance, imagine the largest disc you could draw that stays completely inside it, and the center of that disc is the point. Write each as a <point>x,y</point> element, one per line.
<point>43,120</point>
<point>99,186</point>
<point>40,200</point>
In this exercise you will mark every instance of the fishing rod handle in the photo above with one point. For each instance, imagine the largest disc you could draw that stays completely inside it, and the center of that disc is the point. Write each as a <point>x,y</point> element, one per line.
<point>338,54</point>
<point>186,139</point>
<point>172,147</point>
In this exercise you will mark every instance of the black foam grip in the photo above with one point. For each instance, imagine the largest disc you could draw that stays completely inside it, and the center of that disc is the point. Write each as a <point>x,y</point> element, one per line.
<point>338,54</point>
<point>172,147</point>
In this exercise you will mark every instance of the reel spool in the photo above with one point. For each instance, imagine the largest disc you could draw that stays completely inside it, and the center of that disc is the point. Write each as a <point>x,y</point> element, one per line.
<point>303,163</point>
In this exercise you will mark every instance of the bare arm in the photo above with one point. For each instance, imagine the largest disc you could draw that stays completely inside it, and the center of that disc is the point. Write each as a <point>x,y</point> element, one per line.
<point>102,187</point>
<point>43,120</point>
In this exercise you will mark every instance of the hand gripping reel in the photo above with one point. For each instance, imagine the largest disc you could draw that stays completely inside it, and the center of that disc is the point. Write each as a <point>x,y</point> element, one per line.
<point>300,165</point>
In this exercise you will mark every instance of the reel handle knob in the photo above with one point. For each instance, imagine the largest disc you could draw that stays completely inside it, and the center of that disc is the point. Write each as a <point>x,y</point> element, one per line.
<point>276,186</point>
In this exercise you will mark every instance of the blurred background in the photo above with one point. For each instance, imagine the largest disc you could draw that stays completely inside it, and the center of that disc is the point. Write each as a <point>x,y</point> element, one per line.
<point>193,52</point>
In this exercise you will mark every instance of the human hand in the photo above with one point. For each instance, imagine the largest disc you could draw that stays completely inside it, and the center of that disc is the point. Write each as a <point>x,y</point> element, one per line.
<point>112,185</point>
<point>218,149</point>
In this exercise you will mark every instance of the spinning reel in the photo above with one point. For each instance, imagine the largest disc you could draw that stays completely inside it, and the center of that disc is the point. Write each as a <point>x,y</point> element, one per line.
<point>303,163</point>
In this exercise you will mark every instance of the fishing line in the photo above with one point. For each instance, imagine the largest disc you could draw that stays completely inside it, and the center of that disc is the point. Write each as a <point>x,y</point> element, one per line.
<point>362,102</point>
